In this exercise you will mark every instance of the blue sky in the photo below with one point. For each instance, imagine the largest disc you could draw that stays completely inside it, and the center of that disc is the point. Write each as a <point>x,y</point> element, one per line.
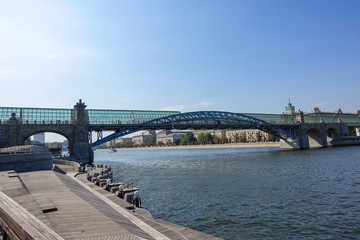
<point>239,56</point>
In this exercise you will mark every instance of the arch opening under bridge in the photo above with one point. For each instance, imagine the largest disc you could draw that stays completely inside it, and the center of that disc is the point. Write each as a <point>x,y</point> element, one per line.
<point>57,143</point>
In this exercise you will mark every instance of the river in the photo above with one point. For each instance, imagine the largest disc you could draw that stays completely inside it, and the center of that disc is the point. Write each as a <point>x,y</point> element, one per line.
<point>257,193</point>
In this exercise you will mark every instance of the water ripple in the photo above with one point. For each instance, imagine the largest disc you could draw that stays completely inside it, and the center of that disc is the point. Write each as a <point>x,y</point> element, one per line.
<point>249,193</point>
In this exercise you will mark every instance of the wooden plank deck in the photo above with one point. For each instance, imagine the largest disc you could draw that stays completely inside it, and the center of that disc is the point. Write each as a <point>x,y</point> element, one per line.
<point>77,209</point>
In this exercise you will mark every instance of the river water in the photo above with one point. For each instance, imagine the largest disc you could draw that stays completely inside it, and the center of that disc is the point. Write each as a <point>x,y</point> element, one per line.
<point>257,193</point>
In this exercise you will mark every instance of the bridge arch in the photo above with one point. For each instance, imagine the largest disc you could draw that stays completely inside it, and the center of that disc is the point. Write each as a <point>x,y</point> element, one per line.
<point>202,120</point>
<point>315,137</point>
<point>24,137</point>
<point>64,130</point>
<point>332,134</point>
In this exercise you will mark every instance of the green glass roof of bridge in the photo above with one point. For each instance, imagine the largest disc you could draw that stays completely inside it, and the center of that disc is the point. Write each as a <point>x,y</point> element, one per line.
<point>38,115</point>
<point>95,117</point>
<point>274,118</point>
<point>111,117</point>
<point>291,119</point>
<point>108,117</point>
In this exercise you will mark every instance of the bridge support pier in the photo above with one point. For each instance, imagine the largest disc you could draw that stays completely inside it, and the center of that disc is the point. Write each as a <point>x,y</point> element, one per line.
<point>290,144</point>
<point>301,142</point>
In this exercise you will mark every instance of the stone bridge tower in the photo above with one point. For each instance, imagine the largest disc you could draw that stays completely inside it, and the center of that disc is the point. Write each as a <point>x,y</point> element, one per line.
<point>16,130</point>
<point>82,150</point>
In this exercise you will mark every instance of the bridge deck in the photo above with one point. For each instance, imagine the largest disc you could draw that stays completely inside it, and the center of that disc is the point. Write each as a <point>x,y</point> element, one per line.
<point>77,209</point>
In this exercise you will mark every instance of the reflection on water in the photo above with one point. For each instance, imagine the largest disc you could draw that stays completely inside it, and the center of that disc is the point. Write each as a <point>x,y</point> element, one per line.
<point>248,193</point>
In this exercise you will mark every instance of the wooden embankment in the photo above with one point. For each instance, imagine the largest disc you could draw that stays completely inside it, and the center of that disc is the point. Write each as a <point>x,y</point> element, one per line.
<point>52,205</point>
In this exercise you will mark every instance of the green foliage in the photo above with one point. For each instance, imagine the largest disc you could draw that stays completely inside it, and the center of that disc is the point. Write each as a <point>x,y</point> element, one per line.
<point>152,141</point>
<point>243,138</point>
<point>28,141</point>
<point>223,139</point>
<point>271,138</point>
<point>103,146</point>
<point>208,138</point>
<point>258,137</point>
<point>215,139</point>
<point>177,141</point>
<point>204,138</point>
<point>352,131</point>
<point>237,138</point>
<point>161,143</point>
<point>188,139</point>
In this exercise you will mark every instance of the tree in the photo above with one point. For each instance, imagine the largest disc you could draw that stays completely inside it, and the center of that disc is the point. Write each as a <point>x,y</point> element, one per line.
<point>237,137</point>
<point>215,139</point>
<point>223,139</point>
<point>188,139</point>
<point>28,141</point>
<point>204,138</point>
<point>352,131</point>
<point>201,139</point>
<point>243,137</point>
<point>271,138</point>
<point>258,137</point>
<point>208,138</point>
<point>161,143</point>
<point>152,141</point>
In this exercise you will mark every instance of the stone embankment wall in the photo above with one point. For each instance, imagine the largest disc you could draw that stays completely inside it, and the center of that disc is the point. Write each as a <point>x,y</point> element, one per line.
<point>26,162</point>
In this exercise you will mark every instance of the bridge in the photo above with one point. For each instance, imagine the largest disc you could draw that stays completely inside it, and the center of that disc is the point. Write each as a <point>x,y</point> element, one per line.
<point>299,131</point>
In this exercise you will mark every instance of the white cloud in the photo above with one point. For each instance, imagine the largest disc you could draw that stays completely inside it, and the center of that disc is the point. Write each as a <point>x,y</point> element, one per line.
<point>180,108</point>
<point>70,53</point>
<point>51,56</point>
<point>205,103</point>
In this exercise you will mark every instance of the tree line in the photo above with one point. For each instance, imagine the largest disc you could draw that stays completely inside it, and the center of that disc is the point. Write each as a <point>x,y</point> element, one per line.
<point>203,138</point>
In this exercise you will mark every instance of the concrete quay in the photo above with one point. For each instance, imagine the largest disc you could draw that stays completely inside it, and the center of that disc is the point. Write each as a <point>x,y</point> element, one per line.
<point>63,204</point>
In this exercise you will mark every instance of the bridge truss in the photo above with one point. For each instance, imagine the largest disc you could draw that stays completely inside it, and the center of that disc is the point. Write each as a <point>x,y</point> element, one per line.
<point>197,120</point>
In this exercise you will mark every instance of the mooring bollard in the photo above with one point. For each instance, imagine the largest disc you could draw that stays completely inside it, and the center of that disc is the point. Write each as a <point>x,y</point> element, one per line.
<point>120,194</point>
<point>137,200</point>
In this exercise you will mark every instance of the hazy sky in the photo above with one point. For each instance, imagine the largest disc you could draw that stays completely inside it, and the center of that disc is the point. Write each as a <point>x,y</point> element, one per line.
<point>238,56</point>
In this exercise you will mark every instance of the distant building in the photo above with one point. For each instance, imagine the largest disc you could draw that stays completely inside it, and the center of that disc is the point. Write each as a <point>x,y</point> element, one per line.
<point>290,109</point>
<point>169,137</point>
<point>40,137</point>
<point>120,142</point>
<point>123,141</point>
<point>144,138</point>
<point>246,135</point>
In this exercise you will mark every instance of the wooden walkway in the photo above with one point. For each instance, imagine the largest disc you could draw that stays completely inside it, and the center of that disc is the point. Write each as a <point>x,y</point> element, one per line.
<point>77,209</point>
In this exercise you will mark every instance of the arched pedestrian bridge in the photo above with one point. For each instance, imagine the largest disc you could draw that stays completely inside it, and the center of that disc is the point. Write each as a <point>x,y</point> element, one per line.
<point>76,125</point>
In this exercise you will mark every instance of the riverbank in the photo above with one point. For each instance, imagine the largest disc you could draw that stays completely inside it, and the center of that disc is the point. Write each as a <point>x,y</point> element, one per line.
<point>207,146</point>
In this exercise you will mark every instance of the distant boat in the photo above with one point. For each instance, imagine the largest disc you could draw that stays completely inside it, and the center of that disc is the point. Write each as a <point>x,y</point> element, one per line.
<point>111,150</point>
